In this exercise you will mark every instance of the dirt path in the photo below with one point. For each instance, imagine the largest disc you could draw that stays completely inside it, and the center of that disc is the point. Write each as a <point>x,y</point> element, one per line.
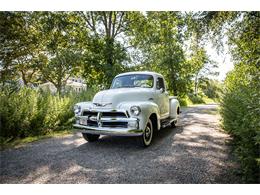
<point>194,152</point>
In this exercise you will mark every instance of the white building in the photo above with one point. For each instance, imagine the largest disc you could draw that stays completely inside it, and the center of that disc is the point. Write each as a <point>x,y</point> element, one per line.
<point>75,84</point>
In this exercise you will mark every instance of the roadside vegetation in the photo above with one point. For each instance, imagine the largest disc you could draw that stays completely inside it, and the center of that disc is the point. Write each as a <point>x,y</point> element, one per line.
<point>40,47</point>
<point>28,114</point>
<point>240,101</point>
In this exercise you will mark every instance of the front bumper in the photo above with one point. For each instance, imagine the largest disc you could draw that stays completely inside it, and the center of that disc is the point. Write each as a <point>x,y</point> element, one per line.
<point>103,125</point>
<point>109,131</point>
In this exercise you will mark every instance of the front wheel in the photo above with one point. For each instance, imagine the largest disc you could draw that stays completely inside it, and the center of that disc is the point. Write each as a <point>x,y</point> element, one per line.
<point>173,124</point>
<point>147,136</point>
<point>90,137</point>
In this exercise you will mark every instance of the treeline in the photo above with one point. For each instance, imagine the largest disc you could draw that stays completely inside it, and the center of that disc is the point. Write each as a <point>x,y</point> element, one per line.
<point>52,46</point>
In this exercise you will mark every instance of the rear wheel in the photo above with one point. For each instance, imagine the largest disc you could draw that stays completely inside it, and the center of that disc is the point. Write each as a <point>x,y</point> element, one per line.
<point>173,124</point>
<point>90,137</point>
<point>147,136</point>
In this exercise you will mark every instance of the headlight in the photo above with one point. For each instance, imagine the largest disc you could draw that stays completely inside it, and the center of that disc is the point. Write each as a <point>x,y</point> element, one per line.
<point>135,110</point>
<point>77,109</point>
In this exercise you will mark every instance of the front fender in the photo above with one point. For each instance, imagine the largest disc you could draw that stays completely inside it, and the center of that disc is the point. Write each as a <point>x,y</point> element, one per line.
<point>147,109</point>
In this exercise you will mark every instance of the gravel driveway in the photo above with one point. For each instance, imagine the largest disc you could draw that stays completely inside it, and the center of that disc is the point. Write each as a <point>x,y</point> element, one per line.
<point>194,152</point>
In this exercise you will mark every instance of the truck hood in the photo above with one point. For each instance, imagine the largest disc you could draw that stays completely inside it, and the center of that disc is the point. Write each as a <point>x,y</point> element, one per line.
<point>112,97</point>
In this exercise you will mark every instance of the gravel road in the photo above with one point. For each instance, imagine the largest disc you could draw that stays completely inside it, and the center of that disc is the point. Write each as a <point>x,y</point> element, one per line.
<point>194,152</point>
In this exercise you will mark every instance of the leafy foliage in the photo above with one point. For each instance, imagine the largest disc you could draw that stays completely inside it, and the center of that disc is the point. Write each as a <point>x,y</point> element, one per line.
<point>19,46</point>
<point>106,52</point>
<point>28,112</point>
<point>160,37</point>
<point>51,46</point>
<point>61,52</point>
<point>241,98</point>
<point>212,88</point>
<point>240,110</point>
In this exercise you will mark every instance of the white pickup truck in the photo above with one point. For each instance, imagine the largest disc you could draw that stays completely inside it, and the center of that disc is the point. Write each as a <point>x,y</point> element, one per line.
<point>137,104</point>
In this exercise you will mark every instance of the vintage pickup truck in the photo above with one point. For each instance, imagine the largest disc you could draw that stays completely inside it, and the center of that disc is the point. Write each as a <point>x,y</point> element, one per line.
<point>137,104</point>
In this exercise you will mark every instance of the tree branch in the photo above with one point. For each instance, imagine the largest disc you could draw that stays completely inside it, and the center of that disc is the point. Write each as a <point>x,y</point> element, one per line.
<point>104,20</point>
<point>114,24</point>
<point>110,23</point>
<point>90,24</point>
<point>119,24</point>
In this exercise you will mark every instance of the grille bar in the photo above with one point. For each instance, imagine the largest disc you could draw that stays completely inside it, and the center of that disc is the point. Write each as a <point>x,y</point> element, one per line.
<point>89,113</point>
<point>115,124</point>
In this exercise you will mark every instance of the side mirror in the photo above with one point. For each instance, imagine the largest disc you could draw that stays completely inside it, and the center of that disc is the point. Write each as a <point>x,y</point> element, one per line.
<point>162,90</point>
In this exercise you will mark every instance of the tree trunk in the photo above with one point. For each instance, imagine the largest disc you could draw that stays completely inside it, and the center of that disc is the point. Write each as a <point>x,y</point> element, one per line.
<point>109,59</point>
<point>196,82</point>
<point>58,89</point>
<point>24,78</point>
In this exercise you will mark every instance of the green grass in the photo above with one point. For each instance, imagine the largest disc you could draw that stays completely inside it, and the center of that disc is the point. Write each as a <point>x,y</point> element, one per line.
<point>17,142</point>
<point>206,100</point>
<point>209,100</point>
<point>190,101</point>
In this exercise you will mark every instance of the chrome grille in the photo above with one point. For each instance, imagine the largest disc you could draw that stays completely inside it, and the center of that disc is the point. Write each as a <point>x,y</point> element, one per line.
<point>114,114</point>
<point>105,119</point>
<point>115,124</point>
<point>89,113</point>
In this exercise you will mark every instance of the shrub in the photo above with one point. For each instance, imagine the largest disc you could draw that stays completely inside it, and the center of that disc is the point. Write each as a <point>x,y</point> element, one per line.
<point>28,112</point>
<point>196,99</point>
<point>240,110</point>
<point>184,101</point>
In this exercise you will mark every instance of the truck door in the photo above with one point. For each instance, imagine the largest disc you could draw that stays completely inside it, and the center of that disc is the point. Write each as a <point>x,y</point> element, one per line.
<point>162,97</point>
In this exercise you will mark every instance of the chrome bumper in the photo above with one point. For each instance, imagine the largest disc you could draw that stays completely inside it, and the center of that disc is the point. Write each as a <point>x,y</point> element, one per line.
<point>131,127</point>
<point>109,131</point>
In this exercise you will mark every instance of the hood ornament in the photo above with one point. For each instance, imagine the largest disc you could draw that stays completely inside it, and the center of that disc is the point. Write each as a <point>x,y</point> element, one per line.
<point>101,105</point>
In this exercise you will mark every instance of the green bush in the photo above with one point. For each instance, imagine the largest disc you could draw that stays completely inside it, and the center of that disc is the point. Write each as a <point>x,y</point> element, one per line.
<point>183,101</point>
<point>240,110</point>
<point>28,112</point>
<point>196,99</point>
<point>199,99</point>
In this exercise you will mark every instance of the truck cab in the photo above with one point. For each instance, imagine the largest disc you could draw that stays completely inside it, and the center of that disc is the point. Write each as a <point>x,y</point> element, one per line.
<point>137,104</point>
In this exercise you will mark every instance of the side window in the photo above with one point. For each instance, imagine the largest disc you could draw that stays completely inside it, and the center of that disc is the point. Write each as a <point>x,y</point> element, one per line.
<point>160,83</point>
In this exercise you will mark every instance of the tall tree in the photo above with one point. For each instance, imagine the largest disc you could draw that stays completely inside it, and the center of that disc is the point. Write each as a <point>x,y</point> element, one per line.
<point>106,50</point>
<point>160,36</point>
<point>20,46</point>
<point>62,53</point>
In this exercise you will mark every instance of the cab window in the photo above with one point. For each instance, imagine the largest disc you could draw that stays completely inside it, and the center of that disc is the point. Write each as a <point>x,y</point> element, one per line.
<point>160,83</point>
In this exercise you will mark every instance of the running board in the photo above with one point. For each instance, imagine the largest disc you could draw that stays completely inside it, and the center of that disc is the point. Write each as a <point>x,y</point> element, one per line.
<point>167,122</point>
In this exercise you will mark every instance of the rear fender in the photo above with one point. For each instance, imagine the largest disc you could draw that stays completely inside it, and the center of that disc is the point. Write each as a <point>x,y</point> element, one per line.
<point>174,105</point>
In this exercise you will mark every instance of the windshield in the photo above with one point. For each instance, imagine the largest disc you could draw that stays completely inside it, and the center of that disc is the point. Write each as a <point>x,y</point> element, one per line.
<point>133,80</point>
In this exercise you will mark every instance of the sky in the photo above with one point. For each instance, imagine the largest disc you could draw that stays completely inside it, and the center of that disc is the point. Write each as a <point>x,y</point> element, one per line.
<point>224,61</point>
